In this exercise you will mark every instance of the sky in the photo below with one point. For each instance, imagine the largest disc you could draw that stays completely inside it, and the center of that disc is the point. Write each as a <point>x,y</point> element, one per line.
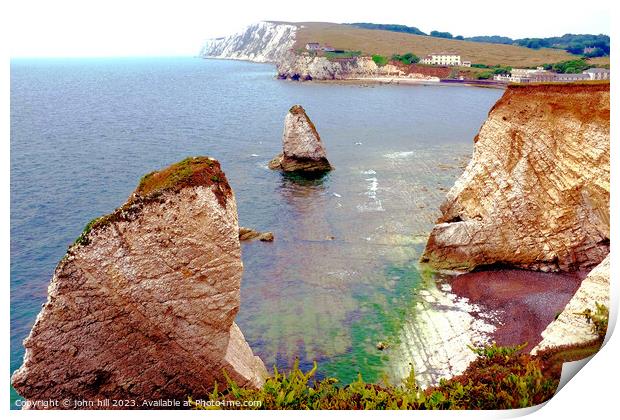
<point>81,28</point>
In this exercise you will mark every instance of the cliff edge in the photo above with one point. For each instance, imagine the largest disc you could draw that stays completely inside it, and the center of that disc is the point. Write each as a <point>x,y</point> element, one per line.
<point>142,306</point>
<point>535,194</point>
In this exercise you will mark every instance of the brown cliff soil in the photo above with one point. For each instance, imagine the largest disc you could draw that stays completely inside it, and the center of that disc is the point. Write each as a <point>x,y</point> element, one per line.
<point>559,99</point>
<point>524,302</point>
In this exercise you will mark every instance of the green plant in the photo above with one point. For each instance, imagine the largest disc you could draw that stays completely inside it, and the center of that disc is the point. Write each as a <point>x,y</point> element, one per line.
<point>493,350</point>
<point>499,378</point>
<point>380,60</point>
<point>600,320</point>
<point>569,66</point>
<point>484,75</point>
<point>408,58</point>
<point>344,54</point>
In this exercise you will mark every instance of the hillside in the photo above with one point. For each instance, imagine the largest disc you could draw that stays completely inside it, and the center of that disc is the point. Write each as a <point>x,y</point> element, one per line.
<point>372,41</point>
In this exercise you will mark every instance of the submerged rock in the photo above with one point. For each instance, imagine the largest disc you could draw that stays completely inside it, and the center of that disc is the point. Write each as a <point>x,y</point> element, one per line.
<point>381,345</point>
<point>303,150</point>
<point>247,234</point>
<point>142,307</point>
<point>535,194</point>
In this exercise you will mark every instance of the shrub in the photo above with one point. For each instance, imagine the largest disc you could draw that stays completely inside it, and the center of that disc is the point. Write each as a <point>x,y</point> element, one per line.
<point>408,58</point>
<point>500,378</point>
<point>570,66</point>
<point>380,60</point>
<point>485,75</point>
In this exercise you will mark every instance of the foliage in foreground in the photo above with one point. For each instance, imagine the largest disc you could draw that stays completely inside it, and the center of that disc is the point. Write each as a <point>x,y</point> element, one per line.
<point>500,378</point>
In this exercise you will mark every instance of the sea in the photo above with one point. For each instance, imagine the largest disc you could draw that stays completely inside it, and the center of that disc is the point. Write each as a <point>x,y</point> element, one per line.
<point>342,275</point>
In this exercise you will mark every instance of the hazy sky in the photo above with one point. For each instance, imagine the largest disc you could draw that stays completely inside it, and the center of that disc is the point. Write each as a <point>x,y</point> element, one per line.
<point>143,27</point>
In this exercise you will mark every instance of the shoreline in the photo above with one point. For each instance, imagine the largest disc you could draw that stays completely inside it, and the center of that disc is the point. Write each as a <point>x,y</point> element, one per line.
<point>380,80</point>
<point>403,81</point>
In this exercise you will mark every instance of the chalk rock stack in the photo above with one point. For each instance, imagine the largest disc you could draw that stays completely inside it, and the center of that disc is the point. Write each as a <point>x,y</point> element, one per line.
<point>142,307</point>
<point>536,193</point>
<point>303,150</point>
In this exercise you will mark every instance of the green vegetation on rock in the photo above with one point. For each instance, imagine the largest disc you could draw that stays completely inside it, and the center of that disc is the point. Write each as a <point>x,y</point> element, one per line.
<point>380,60</point>
<point>191,171</point>
<point>408,58</point>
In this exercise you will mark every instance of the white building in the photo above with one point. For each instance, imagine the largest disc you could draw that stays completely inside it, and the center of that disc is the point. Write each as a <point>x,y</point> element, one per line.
<point>313,46</point>
<point>526,75</point>
<point>598,74</point>
<point>571,77</point>
<point>541,75</point>
<point>442,59</point>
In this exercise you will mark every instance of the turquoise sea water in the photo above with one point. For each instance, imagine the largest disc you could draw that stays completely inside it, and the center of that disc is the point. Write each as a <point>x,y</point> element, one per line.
<point>342,272</point>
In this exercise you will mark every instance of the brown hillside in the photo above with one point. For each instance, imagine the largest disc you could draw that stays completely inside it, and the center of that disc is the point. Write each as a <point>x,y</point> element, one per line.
<point>386,43</point>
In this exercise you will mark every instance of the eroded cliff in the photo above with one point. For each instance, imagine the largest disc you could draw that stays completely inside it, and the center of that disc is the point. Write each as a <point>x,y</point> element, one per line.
<point>535,194</point>
<point>261,42</point>
<point>307,67</point>
<point>142,307</point>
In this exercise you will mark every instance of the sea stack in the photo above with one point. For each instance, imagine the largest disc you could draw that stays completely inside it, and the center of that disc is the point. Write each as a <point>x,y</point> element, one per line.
<point>303,150</point>
<point>536,193</point>
<point>142,306</point>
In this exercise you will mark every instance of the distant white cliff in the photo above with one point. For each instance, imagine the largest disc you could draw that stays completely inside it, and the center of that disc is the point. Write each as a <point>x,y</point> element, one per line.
<point>263,42</point>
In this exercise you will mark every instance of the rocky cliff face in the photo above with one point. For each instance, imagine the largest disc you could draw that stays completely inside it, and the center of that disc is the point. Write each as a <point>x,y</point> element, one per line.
<point>571,326</point>
<point>302,149</point>
<point>536,193</point>
<point>306,67</point>
<point>143,305</point>
<point>261,42</point>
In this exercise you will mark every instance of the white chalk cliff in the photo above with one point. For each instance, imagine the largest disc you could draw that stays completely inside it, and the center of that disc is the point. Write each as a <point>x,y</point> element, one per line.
<point>263,42</point>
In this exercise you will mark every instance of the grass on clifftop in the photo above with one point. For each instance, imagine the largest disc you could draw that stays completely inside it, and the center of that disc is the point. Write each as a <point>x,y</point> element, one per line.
<point>191,171</point>
<point>387,43</point>
<point>500,378</point>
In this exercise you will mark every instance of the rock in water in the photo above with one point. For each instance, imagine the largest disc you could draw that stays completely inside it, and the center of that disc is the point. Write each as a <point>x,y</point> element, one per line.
<point>247,234</point>
<point>303,150</point>
<point>142,307</point>
<point>536,193</point>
